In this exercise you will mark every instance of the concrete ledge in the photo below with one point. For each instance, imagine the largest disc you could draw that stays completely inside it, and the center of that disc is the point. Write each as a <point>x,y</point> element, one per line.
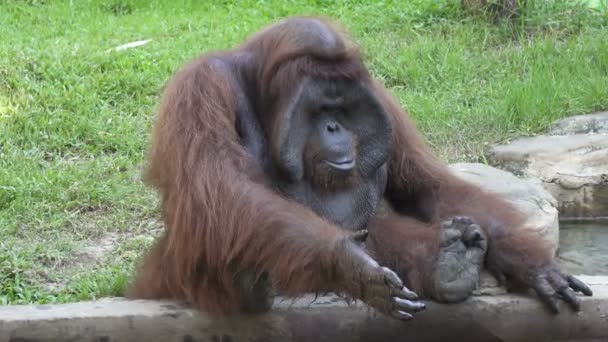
<point>483,318</point>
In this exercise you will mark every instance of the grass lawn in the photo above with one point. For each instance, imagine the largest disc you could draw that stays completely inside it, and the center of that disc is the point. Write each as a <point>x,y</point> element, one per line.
<point>75,116</point>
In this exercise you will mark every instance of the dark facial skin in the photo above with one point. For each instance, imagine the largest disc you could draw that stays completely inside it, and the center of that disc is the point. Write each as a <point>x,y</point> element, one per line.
<point>336,143</point>
<point>326,168</point>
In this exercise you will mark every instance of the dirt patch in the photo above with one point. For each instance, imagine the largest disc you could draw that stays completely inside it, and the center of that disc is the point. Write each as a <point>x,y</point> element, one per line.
<point>92,253</point>
<point>98,248</point>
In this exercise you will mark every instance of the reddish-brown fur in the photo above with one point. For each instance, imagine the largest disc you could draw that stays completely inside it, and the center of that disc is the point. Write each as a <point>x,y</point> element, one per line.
<point>221,218</point>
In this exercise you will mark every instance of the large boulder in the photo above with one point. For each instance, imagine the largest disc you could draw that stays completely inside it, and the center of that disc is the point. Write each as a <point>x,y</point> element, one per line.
<point>528,195</point>
<point>573,168</point>
<point>581,124</point>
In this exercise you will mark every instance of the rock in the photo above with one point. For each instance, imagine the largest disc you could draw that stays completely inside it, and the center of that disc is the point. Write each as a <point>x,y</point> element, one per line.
<point>484,318</point>
<point>488,285</point>
<point>573,168</point>
<point>581,124</point>
<point>528,195</point>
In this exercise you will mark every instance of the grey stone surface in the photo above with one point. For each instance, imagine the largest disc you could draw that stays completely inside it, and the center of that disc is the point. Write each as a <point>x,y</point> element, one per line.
<point>581,124</point>
<point>484,318</point>
<point>573,168</point>
<point>528,195</point>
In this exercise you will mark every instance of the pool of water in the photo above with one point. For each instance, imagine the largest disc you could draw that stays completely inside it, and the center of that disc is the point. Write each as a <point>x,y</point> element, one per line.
<point>583,247</point>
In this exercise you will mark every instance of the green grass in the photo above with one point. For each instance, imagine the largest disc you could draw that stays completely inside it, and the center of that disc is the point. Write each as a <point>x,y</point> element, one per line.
<point>75,117</point>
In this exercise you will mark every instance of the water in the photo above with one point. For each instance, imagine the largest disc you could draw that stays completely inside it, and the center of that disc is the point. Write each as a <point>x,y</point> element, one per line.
<point>583,247</point>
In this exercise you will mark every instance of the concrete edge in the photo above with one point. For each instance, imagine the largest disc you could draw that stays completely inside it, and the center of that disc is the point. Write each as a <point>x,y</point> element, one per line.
<point>483,318</point>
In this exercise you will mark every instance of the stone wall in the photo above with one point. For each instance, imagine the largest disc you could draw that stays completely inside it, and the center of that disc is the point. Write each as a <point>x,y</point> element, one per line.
<point>480,318</point>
